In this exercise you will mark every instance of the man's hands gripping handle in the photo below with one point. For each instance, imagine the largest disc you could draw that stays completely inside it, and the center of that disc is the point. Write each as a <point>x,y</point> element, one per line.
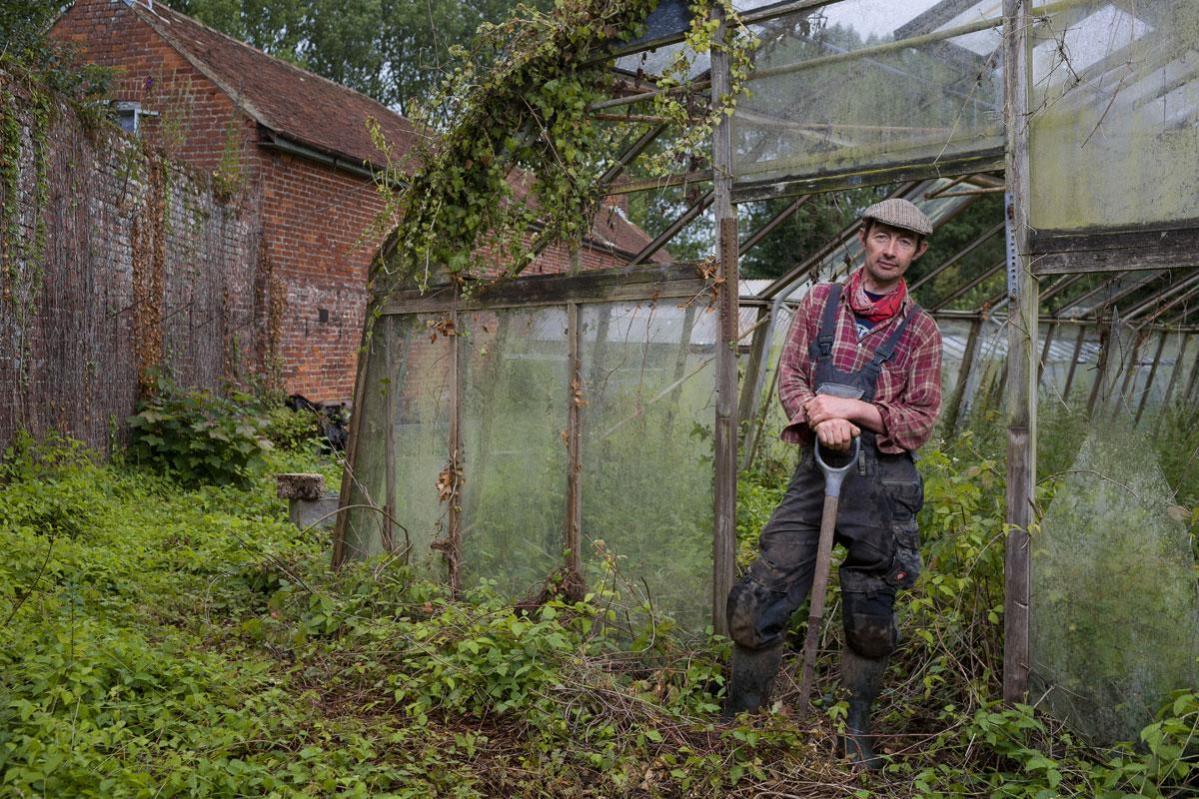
<point>833,419</point>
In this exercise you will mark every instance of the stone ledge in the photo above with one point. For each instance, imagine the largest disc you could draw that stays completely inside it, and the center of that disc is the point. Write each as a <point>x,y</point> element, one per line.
<point>300,486</point>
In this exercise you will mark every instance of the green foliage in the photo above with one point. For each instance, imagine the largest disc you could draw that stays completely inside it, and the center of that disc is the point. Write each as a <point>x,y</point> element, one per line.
<point>292,430</point>
<point>24,24</point>
<point>198,437</point>
<point>522,150</point>
<point>156,640</point>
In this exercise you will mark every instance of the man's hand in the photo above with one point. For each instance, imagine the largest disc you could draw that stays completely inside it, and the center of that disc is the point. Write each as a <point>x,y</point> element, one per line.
<point>837,434</point>
<point>823,407</point>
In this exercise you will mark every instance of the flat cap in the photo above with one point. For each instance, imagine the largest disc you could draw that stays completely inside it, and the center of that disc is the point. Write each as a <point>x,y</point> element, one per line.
<point>901,214</point>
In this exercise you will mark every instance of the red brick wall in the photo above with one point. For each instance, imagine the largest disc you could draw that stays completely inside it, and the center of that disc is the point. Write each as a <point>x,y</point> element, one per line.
<point>197,123</point>
<point>317,224</point>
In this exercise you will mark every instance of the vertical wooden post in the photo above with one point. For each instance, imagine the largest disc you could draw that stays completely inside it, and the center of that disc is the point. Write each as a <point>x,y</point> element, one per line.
<point>453,550</point>
<point>959,390</point>
<point>680,367</point>
<point>574,440</point>
<point>1106,341</point>
<point>725,540</point>
<point>341,526</point>
<point>1131,368</point>
<point>389,444</point>
<point>1157,356</point>
<point>1023,296</point>
<point>1082,333</point>
<point>757,359</point>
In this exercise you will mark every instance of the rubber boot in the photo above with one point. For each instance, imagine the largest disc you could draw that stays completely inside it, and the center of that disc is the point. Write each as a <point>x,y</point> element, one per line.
<point>862,677</point>
<point>753,673</point>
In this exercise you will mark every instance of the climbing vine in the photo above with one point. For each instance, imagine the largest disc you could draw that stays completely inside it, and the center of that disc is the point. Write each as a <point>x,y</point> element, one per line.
<point>22,253</point>
<point>10,178</point>
<point>522,148</point>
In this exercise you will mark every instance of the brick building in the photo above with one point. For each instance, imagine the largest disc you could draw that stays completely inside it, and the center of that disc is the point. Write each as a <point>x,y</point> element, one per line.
<point>297,148</point>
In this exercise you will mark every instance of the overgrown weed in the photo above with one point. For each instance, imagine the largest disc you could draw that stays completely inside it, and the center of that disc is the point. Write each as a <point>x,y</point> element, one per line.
<point>176,642</point>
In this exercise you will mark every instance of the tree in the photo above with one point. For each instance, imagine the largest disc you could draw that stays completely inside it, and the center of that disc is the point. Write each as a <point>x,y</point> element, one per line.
<point>395,51</point>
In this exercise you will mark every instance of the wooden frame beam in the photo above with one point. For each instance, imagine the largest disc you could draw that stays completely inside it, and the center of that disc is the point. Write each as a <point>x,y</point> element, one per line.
<point>1021,373</point>
<point>1058,253</point>
<point>724,543</point>
<point>959,390</point>
<point>573,537</point>
<point>676,280</point>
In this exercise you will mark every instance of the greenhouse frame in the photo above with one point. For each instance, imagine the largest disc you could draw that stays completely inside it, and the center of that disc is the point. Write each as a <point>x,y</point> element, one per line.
<point>503,436</point>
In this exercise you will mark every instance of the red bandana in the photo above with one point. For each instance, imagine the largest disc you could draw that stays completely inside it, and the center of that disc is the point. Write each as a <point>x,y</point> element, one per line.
<point>874,311</point>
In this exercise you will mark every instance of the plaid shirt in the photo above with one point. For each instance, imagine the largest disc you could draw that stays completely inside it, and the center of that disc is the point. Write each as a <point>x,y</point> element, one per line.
<point>908,392</point>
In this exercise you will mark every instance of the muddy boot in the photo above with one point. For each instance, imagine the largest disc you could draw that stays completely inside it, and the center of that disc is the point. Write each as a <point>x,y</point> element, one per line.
<point>753,673</point>
<point>862,678</point>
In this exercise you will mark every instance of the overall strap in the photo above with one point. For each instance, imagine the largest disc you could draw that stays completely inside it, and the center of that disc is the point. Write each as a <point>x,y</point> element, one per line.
<point>887,348</point>
<point>822,348</point>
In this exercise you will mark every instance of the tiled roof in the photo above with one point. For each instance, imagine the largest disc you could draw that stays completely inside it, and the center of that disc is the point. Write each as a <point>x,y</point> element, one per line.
<point>290,101</point>
<point>611,227</point>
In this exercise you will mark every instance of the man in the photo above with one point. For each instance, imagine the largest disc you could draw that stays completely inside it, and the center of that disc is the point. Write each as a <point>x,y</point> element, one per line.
<point>861,360</point>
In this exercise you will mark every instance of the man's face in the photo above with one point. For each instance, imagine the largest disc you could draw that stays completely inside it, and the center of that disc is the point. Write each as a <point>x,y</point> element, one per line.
<point>889,253</point>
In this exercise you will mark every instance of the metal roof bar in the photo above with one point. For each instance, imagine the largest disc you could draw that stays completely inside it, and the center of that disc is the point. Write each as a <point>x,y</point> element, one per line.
<point>971,247</point>
<point>1107,284</point>
<point>630,154</point>
<point>1189,289</point>
<point>994,270</point>
<point>1063,282</point>
<point>666,235</point>
<point>749,18</point>
<point>664,182</point>
<point>775,221</point>
<point>1160,293</point>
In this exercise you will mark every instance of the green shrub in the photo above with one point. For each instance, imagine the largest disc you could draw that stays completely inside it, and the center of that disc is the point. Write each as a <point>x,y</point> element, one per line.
<point>198,438</point>
<point>292,430</point>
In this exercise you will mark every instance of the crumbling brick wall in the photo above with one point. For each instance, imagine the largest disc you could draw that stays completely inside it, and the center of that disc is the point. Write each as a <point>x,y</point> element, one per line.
<point>117,264</point>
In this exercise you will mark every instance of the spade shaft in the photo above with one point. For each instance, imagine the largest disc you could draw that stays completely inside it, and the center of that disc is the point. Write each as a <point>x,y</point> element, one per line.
<point>833,477</point>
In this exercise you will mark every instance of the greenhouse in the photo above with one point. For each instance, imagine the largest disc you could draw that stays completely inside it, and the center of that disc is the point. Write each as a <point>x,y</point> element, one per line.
<point>548,429</point>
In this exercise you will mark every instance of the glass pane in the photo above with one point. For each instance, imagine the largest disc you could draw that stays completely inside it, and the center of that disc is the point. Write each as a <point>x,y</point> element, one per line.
<point>1114,141</point>
<point>364,529</point>
<point>514,417</point>
<point>837,89</point>
<point>647,486</point>
<point>408,368</point>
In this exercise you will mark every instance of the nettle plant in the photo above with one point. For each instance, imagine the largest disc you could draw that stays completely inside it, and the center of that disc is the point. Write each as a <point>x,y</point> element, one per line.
<point>517,166</point>
<point>198,437</point>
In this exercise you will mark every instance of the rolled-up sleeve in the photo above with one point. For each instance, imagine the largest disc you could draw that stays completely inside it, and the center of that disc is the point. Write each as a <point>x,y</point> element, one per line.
<point>909,419</point>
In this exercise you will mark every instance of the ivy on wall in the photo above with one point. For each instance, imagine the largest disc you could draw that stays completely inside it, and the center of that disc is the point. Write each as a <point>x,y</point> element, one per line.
<point>523,151</point>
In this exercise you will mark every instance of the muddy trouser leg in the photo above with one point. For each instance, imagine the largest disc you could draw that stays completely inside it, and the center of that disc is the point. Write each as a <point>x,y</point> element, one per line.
<point>875,568</point>
<point>761,603</point>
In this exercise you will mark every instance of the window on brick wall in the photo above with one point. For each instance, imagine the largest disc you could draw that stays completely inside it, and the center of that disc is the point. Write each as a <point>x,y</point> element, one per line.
<point>130,114</point>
